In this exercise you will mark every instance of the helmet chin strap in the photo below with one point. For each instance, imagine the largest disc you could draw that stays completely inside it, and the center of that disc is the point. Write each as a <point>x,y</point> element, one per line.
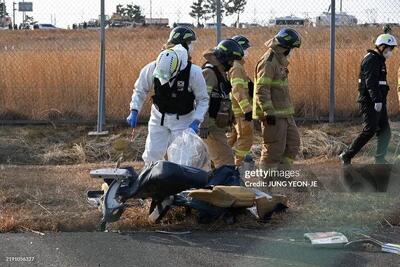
<point>383,50</point>
<point>186,46</point>
<point>227,66</point>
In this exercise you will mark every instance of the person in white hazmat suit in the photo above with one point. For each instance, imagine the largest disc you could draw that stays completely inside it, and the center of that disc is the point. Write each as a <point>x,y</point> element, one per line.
<point>180,100</point>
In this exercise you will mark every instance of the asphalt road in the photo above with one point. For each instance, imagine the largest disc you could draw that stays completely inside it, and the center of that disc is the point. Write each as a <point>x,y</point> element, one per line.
<point>239,248</point>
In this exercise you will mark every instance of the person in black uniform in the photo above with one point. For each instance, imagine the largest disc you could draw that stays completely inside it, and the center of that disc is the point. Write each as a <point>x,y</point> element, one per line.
<point>373,90</point>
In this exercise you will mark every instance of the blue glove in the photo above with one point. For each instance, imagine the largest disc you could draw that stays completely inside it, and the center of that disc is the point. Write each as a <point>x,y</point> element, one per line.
<point>132,118</point>
<point>195,126</point>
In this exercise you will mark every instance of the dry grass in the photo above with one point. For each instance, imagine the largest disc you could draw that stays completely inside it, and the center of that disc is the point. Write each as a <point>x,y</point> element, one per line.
<point>71,145</point>
<point>39,199</point>
<point>45,75</point>
<point>327,141</point>
<point>67,145</point>
<point>52,198</point>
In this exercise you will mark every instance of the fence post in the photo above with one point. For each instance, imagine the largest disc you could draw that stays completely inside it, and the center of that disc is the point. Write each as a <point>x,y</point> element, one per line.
<point>332,64</point>
<point>101,117</point>
<point>219,21</point>
<point>14,9</point>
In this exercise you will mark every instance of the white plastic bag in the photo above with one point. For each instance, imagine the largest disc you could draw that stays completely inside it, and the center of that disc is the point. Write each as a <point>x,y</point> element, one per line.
<point>189,149</point>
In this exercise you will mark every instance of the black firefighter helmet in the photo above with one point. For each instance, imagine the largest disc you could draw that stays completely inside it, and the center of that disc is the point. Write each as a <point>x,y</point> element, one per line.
<point>288,38</point>
<point>227,51</point>
<point>242,40</point>
<point>182,35</point>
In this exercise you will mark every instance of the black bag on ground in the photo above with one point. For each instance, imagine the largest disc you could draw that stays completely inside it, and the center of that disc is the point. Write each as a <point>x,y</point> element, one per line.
<point>163,178</point>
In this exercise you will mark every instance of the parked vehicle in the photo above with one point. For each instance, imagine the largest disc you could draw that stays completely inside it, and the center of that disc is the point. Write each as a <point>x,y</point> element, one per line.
<point>190,25</point>
<point>214,25</point>
<point>44,26</point>
<point>247,25</point>
<point>288,20</point>
<point>120,24</point>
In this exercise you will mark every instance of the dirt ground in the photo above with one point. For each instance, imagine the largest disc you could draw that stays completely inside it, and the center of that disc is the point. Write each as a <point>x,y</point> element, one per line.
<point>44,175</point>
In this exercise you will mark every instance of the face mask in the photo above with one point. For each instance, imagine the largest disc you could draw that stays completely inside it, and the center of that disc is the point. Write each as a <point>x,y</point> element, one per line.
<point>289,55</point>
<point>191,47</point>
<point>388,53</point>
<point>246,53</point>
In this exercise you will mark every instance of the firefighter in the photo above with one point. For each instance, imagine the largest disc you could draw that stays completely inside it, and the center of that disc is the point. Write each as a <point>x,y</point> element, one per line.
<point>180,100</point>
<point>272,104</point>
<point>373,90</point>
<point>219,117</point>
<point>182,35</point>
<point>240,138</point>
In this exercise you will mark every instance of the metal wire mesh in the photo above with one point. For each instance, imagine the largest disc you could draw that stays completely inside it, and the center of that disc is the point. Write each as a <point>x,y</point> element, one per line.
<point>50,74</point>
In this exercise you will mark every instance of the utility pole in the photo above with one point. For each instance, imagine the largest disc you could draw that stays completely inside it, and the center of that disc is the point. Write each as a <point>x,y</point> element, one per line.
<point>151,10</point>
<point>101,117</point>
<point>14,9</point>
<point>219,21</point>
<point>332,68</point>
<point>23,14</point>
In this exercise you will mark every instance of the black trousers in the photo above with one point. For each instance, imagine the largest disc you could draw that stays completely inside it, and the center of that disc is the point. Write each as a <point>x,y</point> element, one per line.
<point>374,123</point>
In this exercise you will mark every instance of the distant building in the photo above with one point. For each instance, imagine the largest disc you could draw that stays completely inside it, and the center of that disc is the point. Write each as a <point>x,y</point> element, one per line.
<point>341,19</point>
<point>160,22</point>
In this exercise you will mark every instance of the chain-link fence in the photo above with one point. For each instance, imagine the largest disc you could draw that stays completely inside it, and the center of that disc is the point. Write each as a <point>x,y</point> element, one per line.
<point>51,73</point>
<point>357,26</point>
<point>368,20</point>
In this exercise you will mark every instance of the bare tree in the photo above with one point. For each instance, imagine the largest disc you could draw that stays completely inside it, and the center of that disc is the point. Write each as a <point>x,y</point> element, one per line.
<point>210,6</point>
<point>198,12</point>
<point>235,7</point>
<point>131,13</point>
<point>3,10</point>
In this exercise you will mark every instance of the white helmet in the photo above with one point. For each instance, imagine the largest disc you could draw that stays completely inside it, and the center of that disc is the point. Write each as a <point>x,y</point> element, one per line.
<point>386,39</point>
<point>167,66</point>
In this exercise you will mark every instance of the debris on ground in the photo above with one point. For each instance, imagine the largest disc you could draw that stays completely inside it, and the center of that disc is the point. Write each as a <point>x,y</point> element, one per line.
<point>327,239</point>
<point>339,240</point>
<point>213,195</point>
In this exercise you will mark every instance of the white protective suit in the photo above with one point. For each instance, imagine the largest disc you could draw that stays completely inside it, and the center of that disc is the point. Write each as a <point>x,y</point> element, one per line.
<point>159,137</point>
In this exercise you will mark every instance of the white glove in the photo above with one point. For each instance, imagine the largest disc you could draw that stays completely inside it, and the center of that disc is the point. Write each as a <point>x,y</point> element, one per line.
<point>378,107</point>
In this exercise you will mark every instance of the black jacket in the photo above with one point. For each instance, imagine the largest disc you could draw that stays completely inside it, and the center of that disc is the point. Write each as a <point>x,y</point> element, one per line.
<point>373,87</point>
